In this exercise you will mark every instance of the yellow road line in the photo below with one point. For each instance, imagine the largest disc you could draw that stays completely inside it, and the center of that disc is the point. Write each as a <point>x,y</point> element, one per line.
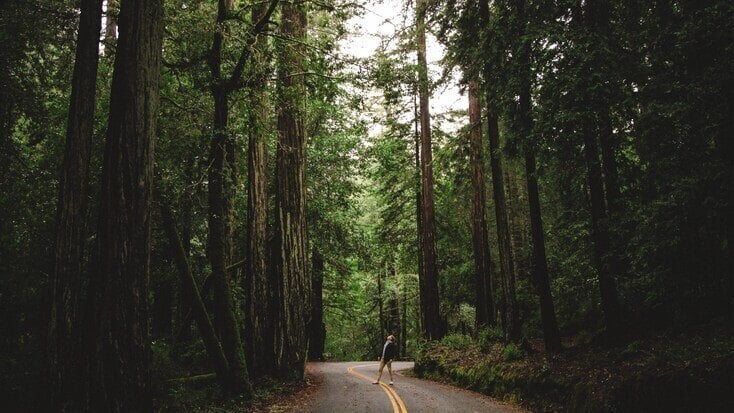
<point>397,398</point>
<point>397,403</point>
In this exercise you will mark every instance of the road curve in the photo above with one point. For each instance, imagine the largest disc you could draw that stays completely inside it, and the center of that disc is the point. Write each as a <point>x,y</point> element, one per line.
<point>347,387</point>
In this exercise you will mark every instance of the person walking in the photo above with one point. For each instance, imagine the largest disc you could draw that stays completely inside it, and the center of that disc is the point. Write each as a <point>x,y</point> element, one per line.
<point>389,351</point>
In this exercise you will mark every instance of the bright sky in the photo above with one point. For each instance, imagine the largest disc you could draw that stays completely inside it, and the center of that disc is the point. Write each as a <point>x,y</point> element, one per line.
<point>384,17</point>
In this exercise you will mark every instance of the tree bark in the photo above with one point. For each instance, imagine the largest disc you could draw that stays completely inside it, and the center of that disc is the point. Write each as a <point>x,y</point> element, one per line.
<point>380,307</point>
<point>259,330</point>
<point>71,210</point>
<point>120,359</point>
<point>540,266</point>
<point>507,258</point>
<point>418,197</point>
<point>600,235</point>
<point>402,343</point>
<point>601,238</point>
<point>219,241</point>
<point>317,329</point>
<point>430,316</point>
<point>162,315</point>
<point>480,236</point>
<point>393,320</point>
<point>183,302</point>
<point>112,9</point>
<point>294,288</point>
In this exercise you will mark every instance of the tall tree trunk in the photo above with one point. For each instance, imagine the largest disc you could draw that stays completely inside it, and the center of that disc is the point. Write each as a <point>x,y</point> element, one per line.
<point>120,360</point>
<point>598,26</point>
<point>726,150</point>
<point>71,209</point>
<point>393,308</point>
<point>418,195</point>
<point>183,302</point>
<point>111,11</point>
<point>609,161</point>
<point>162,315</point>
<point>600,235</point>
<point>380,307</point>
<point>219,242</point>
<point>604,256</point>
<point>225,319</point>
<point>515,222</point>
<point>258,325</point>
<point>480,236</point>
<point>317,329</point>
<point>292,342</point>
<point>599,21</point>
<point>507,259</point>
<point>191,292</point>
<point>432,326</point>
<point>402,343</point>
<point>540,266</point>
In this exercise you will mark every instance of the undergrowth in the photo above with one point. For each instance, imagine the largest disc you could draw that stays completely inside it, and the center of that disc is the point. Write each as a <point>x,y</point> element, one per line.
<point>667,372</point>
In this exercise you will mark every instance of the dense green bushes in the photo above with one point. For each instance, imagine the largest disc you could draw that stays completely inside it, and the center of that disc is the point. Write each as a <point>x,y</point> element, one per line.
<point>664,373</point>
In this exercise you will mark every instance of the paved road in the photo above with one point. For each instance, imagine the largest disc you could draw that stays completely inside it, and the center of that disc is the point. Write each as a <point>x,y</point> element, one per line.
<point>347,387</point>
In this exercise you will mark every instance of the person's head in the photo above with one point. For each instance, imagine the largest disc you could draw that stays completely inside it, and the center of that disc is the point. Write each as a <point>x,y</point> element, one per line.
<point>391,338</point>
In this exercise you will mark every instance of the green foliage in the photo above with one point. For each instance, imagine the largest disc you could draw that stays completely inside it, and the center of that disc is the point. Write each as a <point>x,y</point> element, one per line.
<point>488,336</point>
<point>456,341</point>
<point>511,352</point>
<point>665,372</point>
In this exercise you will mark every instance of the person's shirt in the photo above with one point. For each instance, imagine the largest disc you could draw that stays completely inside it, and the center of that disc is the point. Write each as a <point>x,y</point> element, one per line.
<point>387,350</point>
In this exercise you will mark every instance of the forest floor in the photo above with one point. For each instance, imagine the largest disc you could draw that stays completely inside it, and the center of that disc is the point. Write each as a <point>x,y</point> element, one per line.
<point>659,372</point>
<point>269,396</point>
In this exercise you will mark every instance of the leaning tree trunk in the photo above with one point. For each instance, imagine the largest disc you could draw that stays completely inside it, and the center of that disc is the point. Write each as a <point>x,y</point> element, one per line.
<point>480,236</point>
<point>120,355</point>
<point>191,292</point>
<point>72,209</point>
<point>432,327</point>
<point>258,325</point>
<point>294,288</point>
<point>540,266</point>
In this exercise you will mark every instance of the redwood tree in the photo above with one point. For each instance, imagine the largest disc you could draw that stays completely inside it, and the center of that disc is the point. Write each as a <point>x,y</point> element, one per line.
<point>71,223</point>
<point>258,323</point>
<point>430,316</point>
<point>480,237</point>
<point>525,128</point>
<point>290,257</point>
<point>119,358</point>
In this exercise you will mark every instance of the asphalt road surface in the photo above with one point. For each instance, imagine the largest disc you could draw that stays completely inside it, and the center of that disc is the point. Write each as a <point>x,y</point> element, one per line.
<point>347,387</point>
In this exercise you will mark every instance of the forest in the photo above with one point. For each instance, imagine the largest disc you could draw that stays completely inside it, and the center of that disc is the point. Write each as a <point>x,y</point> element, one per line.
<point>200,197</point>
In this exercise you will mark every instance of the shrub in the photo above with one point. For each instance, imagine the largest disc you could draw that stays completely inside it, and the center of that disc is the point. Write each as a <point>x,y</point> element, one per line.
<point>511,352</point>
<point>456,341</point>
<point>489,335</point>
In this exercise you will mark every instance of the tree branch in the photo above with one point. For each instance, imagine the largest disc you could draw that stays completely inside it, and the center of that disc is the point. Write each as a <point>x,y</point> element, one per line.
<point>186,64</point>
<point>235,81</point>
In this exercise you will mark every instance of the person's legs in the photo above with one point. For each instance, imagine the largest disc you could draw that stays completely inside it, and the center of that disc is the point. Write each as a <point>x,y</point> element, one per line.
<point>379,371</point>
<point>389,369</point>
